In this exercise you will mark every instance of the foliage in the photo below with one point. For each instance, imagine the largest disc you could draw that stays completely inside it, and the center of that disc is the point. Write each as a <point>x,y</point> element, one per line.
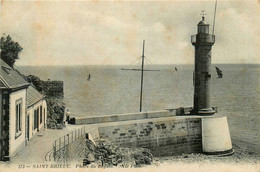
<point>10,50</point>
<point>55,112</point>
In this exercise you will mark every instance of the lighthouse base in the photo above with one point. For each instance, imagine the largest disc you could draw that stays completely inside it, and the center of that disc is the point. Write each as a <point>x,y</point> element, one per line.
<point>203,112</point>
<point>222,153</point>
<point>207,111</point>
<point>216,137</point>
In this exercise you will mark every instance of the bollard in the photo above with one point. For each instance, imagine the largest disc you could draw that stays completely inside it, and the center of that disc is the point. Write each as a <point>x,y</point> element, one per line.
<point>87,136</point>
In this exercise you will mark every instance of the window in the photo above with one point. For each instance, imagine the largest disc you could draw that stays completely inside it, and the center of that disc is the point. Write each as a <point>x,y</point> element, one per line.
<point>40,114</point>
<point>18,121</point>
<point>44,118</point>
<point>44,115</point>
<point>35,119</point>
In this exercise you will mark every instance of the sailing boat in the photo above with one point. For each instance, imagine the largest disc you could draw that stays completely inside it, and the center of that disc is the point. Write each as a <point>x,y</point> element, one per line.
<point>89,76</point>
<point>219,72</point>
<point>176,69</point>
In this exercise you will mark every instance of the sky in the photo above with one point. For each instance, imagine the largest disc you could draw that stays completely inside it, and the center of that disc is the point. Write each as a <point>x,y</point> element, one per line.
<point>111,33</point>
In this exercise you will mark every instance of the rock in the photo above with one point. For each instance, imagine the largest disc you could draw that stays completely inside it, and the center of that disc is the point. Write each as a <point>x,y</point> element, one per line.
<point>91,157</point>
<point>90,146</point>
<point>126,164</point>
<point>112,155</point>
<point>55,111</point>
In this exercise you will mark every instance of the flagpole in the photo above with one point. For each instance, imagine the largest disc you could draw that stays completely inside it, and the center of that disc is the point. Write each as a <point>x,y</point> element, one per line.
<point>142,75</point>
<point>214,17</point>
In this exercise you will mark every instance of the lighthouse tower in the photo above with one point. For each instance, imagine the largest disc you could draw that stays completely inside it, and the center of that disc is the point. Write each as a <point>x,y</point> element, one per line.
<point>203,41</point>
<point>215,132</point>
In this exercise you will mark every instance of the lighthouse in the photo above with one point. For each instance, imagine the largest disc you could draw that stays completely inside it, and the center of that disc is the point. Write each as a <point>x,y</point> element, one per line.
<point>203,42</point>
<point>215,131</point>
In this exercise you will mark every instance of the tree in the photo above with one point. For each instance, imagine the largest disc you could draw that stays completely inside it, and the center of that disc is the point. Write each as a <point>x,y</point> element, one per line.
<point>10,50</point>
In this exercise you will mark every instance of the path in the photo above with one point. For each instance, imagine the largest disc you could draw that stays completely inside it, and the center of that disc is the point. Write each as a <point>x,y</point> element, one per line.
<point>38,146</point>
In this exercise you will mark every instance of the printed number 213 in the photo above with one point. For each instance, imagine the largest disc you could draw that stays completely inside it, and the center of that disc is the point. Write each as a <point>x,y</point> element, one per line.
<point>21,166</point>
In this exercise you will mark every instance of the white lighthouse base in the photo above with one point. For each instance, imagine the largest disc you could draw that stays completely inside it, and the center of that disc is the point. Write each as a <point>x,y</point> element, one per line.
<point>215,136</point>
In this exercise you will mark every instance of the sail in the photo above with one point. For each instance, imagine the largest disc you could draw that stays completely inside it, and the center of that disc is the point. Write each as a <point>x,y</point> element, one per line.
<point>219,72</point>
<point>89,76</point>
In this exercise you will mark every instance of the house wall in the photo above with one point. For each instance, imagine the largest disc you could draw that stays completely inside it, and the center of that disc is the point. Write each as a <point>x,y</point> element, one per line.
<point>1,126</point>
<point>18,143</point>
<point>5,126</point>
<point>0,103</point>
<point>30,113</point>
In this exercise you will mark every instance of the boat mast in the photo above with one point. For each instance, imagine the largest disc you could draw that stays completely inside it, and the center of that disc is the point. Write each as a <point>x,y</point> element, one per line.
<point>142,75</point>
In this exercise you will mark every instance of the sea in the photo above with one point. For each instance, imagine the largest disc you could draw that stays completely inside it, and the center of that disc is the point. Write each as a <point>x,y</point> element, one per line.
<point>111,90</point>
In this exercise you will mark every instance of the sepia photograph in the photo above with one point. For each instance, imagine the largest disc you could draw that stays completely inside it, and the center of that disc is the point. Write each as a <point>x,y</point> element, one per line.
<point>130,85</point>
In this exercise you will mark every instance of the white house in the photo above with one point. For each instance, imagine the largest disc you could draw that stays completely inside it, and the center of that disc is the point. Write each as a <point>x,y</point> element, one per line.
<point>36,116</point>
<point>22,112</point>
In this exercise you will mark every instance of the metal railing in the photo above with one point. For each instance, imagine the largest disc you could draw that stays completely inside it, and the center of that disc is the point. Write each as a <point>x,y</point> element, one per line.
<point>49,156</point>
<point>203,38</point>
<point>62,142</point>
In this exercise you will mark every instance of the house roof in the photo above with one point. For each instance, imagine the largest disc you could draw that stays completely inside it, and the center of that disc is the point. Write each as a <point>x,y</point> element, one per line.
<point>10,78</point>
<point>33,96</point>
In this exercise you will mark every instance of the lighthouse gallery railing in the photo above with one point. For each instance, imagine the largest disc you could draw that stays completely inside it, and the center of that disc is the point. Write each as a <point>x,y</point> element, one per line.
<point>206,38</point>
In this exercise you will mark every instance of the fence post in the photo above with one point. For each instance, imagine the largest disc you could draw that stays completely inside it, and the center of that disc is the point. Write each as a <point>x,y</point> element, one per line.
<point>59,142</point>
<point>67,153</point>
<point>64,152</point>
<point>72,137</point>
<point>54,151</point>
<point>81,132</point>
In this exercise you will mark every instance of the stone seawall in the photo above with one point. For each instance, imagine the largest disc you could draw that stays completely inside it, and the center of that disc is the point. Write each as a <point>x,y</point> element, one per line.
<point>52,88</point>
<point>182,111</point>
<point>164,137</point>
<point>125,117</point>
<point>168,136</point>
<point>48,88</point>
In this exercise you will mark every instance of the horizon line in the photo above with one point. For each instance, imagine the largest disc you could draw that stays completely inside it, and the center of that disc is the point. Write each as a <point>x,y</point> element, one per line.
<point>131,64</point>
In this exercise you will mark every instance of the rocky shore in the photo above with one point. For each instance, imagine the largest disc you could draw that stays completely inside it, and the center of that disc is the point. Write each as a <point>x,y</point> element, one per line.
<point>103,154</point>
<point>106,155</point>
<point>55,115</point>
<point>241,160</point>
